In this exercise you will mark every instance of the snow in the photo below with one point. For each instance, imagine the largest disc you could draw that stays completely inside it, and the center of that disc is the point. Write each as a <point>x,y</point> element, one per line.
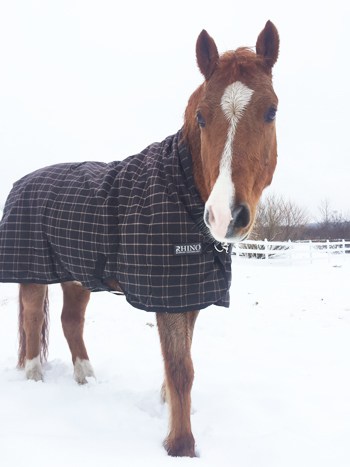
<point>272,384</point>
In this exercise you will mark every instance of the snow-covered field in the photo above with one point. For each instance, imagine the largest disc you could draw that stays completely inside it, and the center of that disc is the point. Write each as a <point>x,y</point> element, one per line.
<point>272,385</point>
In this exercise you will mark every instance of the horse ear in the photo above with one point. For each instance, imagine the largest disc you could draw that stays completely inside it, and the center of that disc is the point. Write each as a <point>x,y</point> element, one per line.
<point>207,54</point>
<point>267,44</point>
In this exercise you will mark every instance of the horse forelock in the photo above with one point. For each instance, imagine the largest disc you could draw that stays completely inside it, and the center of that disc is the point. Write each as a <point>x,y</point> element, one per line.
<point>241,65</point>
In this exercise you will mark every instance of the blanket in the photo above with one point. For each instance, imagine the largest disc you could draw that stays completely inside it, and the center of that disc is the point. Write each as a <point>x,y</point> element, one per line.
<point>137,221</point>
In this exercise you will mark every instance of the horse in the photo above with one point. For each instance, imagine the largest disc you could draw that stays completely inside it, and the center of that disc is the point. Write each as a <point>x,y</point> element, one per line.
<point>229,152</point>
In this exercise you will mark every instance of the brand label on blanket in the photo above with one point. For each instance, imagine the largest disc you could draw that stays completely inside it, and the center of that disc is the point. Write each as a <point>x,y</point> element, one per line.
<point>188,249</point>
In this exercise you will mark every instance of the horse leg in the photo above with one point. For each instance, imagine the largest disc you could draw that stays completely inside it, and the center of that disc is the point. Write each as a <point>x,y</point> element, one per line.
<point>32,329</point>
<point>191,322</point>
<point>176,331</point>
<point>75,300</point>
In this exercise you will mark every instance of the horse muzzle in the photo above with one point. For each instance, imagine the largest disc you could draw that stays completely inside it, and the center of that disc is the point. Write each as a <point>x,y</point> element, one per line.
<point>228,225</point>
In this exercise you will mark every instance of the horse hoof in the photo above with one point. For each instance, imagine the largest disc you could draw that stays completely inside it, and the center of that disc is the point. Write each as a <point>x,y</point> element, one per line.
<point>183,446</point>
<point>34,375</point>
<point>83,370</point>
<point>33,369</point>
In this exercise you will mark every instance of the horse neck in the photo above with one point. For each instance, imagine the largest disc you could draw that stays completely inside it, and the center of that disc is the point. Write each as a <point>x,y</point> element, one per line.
<point>192,138</point>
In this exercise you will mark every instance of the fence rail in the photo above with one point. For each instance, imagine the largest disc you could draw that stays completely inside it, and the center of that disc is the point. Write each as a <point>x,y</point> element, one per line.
<point>291,251</point>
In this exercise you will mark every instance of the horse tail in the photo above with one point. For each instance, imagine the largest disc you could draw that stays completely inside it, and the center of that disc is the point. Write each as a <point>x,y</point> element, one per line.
<point>21,333</point>
<point>45,329</point>
<point>44,348</point>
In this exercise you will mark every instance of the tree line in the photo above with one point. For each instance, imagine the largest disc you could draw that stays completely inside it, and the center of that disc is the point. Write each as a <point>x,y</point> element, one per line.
<point>280,219</point>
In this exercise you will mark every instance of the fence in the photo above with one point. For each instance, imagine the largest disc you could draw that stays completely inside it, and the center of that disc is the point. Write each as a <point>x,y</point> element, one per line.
<point>291,251</point>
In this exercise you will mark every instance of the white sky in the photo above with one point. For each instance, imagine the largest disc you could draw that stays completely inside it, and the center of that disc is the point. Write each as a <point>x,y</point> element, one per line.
<point>102,79</point>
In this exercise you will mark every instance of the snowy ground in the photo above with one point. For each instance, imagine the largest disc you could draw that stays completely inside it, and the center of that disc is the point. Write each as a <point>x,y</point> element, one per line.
<point>272,384</point>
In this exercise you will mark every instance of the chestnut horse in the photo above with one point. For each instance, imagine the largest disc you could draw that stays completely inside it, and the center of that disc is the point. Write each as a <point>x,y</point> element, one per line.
<point>230,130</point>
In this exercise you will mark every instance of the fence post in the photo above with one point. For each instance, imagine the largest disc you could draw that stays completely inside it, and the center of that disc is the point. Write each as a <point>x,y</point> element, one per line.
<point>290,251</point>
<point>237,250</point>
<point>266,249</point>
<point>310,251</point>
<point>328,251</point>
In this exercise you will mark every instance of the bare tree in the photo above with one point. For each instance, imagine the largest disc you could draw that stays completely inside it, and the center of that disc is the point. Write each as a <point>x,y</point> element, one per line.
<point>325,212</point>
<point>279,219</point>
<point>268,219</point>
<point>333,225</point>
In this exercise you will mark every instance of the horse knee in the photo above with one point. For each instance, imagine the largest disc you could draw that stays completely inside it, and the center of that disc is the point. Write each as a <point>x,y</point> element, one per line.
<point>71,322</point>
<point>33,323</point>
<point>180,372</point>
<point>75,300</point>
<point>75,295</point>
<point>33,318</point>
<point>33,299</point>
<point>176,338</point>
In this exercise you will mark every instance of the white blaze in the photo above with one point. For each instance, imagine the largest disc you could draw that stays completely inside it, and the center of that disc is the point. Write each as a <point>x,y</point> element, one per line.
<point>234,100</point>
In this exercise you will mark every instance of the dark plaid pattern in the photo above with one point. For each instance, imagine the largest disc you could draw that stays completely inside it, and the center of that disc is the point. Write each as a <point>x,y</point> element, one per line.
<point>92,221</point>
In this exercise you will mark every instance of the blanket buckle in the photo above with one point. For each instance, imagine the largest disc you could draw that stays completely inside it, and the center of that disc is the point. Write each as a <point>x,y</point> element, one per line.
<point>220,247</point>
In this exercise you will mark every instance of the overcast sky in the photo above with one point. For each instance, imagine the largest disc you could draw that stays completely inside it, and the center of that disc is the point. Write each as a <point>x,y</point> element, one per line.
<point>82,80</point>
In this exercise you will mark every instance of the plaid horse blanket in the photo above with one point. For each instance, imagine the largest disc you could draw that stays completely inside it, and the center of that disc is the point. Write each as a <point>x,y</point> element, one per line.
<point>138,221</point>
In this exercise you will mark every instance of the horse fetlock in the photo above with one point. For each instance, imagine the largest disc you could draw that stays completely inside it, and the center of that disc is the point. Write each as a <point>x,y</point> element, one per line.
<point>33,369</point>
<point>83,370</point>
<point>180,446</point>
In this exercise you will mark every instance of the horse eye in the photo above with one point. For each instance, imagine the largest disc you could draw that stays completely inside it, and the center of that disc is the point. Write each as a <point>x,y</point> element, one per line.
<point>270,115</point>
<point>200,120</point>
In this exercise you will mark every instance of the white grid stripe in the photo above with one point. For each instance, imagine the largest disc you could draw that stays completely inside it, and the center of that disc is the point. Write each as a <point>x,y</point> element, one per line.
<point>65,221</point>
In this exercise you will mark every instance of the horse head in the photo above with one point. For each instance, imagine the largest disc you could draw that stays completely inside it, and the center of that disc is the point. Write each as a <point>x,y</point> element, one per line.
<point>230,129</point>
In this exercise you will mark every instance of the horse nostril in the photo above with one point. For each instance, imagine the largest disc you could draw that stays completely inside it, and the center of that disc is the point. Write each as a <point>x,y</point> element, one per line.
<point>241,216</point>
<point>209,216</point>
